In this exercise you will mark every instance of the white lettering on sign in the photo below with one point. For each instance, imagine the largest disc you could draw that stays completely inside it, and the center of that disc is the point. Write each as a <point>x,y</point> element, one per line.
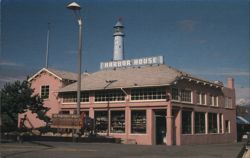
<point>132,62</point>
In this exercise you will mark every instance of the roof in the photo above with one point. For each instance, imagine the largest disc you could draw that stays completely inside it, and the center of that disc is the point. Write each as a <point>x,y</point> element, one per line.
<point>61,75</point>
<point>145,76</point>
<point>119,24</point>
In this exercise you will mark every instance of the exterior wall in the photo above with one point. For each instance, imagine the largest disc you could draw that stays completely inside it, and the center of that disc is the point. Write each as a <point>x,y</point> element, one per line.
<point>52,102</point>
<point>174,109</point>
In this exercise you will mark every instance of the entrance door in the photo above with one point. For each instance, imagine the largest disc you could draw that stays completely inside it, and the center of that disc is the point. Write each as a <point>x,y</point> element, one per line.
<point>160,126</point>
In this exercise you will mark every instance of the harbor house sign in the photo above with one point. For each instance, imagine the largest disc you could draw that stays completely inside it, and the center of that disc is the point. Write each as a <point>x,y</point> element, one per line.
<point>132,62</point>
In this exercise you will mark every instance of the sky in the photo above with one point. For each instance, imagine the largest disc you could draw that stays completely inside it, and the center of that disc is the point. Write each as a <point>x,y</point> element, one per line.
<point>207,38</point>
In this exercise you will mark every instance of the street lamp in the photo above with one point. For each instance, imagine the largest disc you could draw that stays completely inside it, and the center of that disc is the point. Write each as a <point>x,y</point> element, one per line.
<point>76,9</point>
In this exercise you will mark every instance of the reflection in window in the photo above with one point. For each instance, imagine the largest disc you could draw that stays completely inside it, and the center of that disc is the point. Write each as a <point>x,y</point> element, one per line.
<point>199,122</point>
<point>117,122</point>
<point>212,123</point>
<point>45,92</point>
<point>101,121</point>
<point>186,122</point>
<point>148,93</point>
<point>109,95</point>
<point>138,121</point>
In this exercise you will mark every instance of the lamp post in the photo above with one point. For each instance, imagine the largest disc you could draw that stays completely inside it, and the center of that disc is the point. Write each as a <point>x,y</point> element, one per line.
<point>76,9</point>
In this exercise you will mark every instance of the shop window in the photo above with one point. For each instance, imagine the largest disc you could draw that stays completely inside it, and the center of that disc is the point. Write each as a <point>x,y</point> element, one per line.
<point>212,123</point>
<point>199,122</point>
<point>148,94</point>
<point>117,122</point>
<point>186,122</point>
<point>71,97</point>
<point>138,121</point>
<point>45,92</point>
<point>227,126</point>
<point>175,94</point>
<point>101,121</point>
<point>109,95</point>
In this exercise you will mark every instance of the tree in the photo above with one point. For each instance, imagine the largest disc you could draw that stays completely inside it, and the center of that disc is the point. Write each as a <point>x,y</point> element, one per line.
<point>17,98</point>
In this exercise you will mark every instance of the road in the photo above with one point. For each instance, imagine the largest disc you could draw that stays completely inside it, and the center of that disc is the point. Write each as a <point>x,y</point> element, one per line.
<point>103,150</point>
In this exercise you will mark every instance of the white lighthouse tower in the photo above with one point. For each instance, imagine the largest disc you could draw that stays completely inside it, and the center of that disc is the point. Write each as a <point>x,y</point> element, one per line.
<point>118,41</point>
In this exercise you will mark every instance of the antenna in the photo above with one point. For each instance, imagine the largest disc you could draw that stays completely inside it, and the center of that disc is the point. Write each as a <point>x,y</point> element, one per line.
<point>47,49</point>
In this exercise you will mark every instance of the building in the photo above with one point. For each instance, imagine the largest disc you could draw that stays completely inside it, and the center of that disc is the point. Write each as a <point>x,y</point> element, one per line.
<point>145,101</point>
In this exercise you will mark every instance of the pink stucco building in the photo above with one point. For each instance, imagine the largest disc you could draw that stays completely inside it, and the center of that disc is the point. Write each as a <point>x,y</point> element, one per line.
<point>148,105</point>
<point>143,101</point>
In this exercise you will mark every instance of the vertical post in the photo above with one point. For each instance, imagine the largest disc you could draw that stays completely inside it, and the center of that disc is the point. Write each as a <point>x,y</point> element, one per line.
<point>193,122</point>
<point>79,63</point>
<point>169,124</point>
<point>47,48</point>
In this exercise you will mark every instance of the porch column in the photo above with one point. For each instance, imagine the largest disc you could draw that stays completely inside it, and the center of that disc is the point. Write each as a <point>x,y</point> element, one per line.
<point>178,124</point>
<point>218,122</point>
<point>206,123</point>
<point>192,123</point>
<point>169,124</point>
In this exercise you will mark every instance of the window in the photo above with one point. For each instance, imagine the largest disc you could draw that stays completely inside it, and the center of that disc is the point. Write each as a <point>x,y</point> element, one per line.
<point>109,95</point>
<point>117,122</point>
<point>199,122</point>
<point>71,97</point>
<point>212,123</point>
<point>186,122</point>
<point>148,94</point>
<point>186,95</point>
<point>228,102</point>
<point>175,94</point>
<point>213,100</point>
<point>45,92</point>
<point>101,121</point>
<point>227,126</point>
<point>138,121</point>
<point>201,98</point>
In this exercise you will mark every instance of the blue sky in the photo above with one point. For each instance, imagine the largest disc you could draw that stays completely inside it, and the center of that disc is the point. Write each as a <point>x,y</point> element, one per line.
<point>208,38</point>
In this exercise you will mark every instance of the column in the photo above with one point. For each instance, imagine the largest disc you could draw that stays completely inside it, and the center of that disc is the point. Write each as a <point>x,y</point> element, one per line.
<point>206,123</point>
<point>193,123</point>
<point>169,124</point>
<point>218,122</point>
<point>178,124</point>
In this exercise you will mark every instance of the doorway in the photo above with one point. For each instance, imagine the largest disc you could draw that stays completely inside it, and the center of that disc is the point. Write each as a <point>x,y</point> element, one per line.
<point>160,126</point>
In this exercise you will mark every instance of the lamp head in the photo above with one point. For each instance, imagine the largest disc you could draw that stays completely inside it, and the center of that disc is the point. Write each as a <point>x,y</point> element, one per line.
<point>74,6</point>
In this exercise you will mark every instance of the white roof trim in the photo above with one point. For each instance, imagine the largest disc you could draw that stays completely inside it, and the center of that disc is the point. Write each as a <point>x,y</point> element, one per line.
<point>44,69</point>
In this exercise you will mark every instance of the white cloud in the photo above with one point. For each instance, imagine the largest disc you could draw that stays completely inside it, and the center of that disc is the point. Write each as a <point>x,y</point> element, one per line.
<point>242,95</point>
<point>187,25</point>
<point>8,63</point>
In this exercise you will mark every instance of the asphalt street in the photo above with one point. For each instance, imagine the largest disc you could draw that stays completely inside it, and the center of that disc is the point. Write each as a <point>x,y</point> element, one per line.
<point>105,150</point>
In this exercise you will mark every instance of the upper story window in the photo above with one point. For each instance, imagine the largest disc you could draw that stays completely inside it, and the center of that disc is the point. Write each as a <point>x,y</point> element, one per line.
<point>148,94</point>
<point>109,95</point>
<point>186,95</point>
<point>45,92</point>
<point>182,95</point>
<point>201,98</point>
<point>175,94</point>
<point>71,97</point>
<point>214,101</point>
<point>228,102</point>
